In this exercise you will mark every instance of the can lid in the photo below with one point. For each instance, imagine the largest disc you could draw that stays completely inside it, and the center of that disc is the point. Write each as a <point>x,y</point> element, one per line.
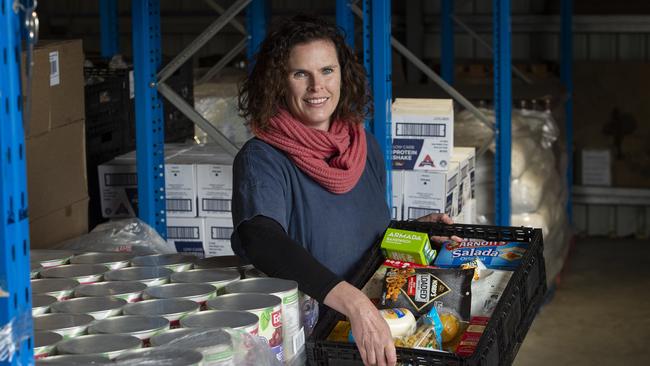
<point>220,319</point>
<point>244,301</point>
<point>61,321</point>
<point>101,258</point>
<point>88,305</point>
<point>35,266</point>
<point>263,285</point>
<point>73,360</point>
<point>137,273</point>
<point>205,276</point>
<point>227,261</point>
<point>170,335</point>
<point>45,255</point>
<point>98,343</point>
<point>162,259</point>
<point>174,290</point>
<point>161,356</point>
<point>74,270</point>
<point>161,307</point>
<point>110,288</point>
<point>200,338</point>
<point>44,338</point>
<point>39,300</point>
<point>129,324</point>
<point>45,285</point>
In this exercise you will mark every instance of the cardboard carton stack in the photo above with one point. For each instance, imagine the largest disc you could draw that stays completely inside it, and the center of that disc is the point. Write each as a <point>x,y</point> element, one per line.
<point>198,185</point>
<point>55,144</point>
<point>429,174</point>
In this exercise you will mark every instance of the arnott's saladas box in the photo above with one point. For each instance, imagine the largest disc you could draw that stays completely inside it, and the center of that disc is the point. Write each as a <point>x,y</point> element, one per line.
<point>495,255</point>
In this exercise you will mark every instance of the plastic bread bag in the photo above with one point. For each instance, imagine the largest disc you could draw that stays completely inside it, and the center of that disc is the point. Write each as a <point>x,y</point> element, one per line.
<point>129,235</point>
<point>308,313</point>
<point>427,335</point>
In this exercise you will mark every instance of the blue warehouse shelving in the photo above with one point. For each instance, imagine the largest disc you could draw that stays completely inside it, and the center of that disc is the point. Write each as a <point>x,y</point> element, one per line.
<point>15,295</point>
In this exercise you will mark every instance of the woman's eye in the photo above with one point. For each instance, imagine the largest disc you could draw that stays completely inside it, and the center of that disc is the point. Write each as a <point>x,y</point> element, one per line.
<point>328,71</point>
<point>299,74</point>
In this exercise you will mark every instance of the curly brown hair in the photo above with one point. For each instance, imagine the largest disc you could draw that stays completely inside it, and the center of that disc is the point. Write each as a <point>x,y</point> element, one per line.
<point>264,90</point>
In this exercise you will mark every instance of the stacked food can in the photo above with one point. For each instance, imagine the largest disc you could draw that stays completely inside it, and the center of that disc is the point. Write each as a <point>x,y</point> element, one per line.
<point>109,305</point>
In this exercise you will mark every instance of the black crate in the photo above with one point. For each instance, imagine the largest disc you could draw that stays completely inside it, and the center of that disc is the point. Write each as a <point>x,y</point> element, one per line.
<point>506,329</point>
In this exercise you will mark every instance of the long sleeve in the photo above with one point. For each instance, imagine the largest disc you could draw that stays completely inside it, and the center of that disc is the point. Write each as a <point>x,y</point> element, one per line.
<point>271,250</point>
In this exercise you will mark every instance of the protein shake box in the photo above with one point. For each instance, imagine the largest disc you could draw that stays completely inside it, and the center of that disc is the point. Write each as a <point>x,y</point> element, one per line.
<point>407,246</point>
<point>495,255</point>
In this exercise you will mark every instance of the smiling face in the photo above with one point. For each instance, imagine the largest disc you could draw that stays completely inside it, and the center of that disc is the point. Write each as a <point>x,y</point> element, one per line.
<point>313,83</point>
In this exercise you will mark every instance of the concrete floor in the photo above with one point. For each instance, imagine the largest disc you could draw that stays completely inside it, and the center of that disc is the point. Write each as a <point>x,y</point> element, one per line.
<point>600,314</point>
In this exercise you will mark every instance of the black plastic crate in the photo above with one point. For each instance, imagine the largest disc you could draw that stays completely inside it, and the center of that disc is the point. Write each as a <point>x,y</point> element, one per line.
<point>106,100</point>
<point>506,329</point>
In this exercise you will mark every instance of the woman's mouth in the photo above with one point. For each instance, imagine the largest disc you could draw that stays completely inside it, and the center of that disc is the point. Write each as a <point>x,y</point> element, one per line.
<point>315,101</point>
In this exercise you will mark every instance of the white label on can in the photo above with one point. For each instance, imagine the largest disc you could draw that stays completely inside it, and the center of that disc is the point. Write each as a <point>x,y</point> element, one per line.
<point>55,77</point>
<point>299,340</point>
<point>290,321</point>
<point>270,329</point>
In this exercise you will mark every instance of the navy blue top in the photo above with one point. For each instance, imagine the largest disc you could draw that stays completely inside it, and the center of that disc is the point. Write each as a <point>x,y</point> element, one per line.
<point>335,228</point>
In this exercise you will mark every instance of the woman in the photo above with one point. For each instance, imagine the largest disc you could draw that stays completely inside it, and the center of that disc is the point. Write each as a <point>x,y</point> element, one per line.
<point>309,190</point>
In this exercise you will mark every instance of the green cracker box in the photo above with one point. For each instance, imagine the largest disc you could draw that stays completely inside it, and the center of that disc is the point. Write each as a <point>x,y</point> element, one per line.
<point>407,246</point>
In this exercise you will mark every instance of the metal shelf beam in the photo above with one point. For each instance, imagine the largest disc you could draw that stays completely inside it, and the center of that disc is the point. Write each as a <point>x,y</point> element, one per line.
<point>150,126</point>
<point>345,20</point>
<point>502,109</point>
<point>15,293</point>
<point>109,30</point>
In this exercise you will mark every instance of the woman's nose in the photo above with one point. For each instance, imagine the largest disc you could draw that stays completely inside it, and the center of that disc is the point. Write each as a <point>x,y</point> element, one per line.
<point>316,83</point>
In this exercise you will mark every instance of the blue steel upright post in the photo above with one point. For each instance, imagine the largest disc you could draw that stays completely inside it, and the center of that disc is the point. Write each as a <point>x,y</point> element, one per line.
<point>109,30</point>
<point>566,75</point>
<point>378,62</point>
<point>447,41</point>
<point>150,126</point>
<point>257,15</point>
<point>15,292</point>
<point>502,109</point>
<point>345,20</point>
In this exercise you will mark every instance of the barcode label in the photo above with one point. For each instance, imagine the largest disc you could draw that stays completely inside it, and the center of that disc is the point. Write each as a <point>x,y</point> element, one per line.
<point>120,179</point>
<point>221,233</point>
<point>55,77</point>
<point>417,212</point>
<point>182,232</point>
<point>394,213</point>
<point>298,340</point>
<point>421,129</point>
<point>219,205</point>
<point>184,205</point>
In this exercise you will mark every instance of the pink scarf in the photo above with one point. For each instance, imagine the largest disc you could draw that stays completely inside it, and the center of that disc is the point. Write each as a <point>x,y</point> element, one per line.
<point>335,159</point>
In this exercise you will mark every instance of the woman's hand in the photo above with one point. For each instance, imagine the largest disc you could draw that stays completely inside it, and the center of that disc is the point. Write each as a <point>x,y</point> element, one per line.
<point>370,330</point>
<point>442,218</point>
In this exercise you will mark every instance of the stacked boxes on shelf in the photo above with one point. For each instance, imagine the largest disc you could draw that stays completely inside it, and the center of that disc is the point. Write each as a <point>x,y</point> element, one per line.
<point>428,175</point>
<point>55,143</point>
<point>198,184</point>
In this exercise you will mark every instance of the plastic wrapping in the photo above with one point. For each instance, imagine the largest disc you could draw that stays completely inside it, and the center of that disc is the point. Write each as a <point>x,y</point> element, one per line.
<point>13,333</point>
<point>219,347</point>
<point>128,235</point>
<point>217,103</point>
<point>538,188</point>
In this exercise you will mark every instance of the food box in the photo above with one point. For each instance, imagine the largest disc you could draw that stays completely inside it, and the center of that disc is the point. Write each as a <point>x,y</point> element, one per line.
<point>407,246</point>
<point>494,254</point>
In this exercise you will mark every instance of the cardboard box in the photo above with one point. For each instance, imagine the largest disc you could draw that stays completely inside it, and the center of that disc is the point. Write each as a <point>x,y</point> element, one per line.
<point>407,246</point>
<point>57,89</point>
<point>594,167</point>
<point>66,223</point>
<point>428,192</point>
<point>214,187</point>
<point>187,234</point>
<point>422,132</point>
<point>180,187</point>
<point>118,188</point>
<point>465,157</point>
<point>397,185</point>
<point>56,169</point>
<point>218,232</point>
